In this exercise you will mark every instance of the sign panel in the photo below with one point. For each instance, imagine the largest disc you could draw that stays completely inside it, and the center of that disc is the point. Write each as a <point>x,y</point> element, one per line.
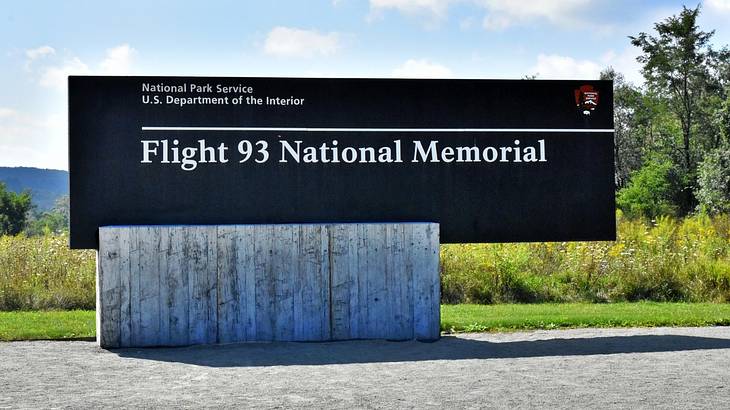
<point>490,160</point>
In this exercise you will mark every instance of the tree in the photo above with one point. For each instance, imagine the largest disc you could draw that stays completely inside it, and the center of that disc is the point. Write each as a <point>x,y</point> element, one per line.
<point>13,210</point>
<point>628,136</point>
<point>54,221</point>
<point>649,193</point>
<point>675,67</point>
<point>681,69</point>
<point>714,182</point>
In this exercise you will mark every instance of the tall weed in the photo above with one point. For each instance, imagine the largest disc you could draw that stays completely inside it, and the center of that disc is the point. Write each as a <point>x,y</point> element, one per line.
<point>41,272</point>
<point>661,260</point>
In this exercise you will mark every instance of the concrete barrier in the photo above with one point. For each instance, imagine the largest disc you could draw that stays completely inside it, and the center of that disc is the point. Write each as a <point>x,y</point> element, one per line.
<point>200,284</point>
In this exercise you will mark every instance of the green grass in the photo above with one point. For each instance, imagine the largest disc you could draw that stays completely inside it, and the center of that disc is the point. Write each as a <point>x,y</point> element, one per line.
<point>21,325</point>
<point>487,318</point>
<point>71,324</point>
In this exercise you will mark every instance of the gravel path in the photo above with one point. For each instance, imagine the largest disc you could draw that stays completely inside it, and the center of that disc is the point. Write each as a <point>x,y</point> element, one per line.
<point>615,368</point>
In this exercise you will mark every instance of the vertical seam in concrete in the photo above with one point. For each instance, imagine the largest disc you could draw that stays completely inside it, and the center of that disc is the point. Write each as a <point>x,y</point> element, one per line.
<point>170,291</point>
<point>411,246</point>
<point>217,286</point>
<point>185,232</point>
<point>139,283</point>
<point>160,298</point>
<point>129,286</point>
<point>330,285</point>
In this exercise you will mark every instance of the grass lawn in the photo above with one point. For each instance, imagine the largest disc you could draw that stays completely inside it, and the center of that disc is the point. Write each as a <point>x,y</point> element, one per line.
<point>454,318</point>
<point>486,318</point>
<point>47,325</point>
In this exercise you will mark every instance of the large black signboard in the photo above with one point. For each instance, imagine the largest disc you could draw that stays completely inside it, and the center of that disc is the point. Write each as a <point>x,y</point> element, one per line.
<point>491,161</point>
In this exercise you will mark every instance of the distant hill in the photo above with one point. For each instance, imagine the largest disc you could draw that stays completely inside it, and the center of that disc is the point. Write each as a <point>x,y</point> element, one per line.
<point>46,185</point>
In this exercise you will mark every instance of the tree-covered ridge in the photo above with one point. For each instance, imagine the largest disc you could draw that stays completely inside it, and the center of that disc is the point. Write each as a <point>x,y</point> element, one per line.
<point>45,185</point>
<point>33,200</point>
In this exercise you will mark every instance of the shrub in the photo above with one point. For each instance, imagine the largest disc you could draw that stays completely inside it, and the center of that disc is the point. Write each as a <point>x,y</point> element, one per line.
<point>649,191</point>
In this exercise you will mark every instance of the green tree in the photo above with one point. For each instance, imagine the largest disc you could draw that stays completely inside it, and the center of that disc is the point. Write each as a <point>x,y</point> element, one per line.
<point>714,182</point>
<point>649,192</point>
<point>683,72</point>
<point>628,136</point>
<point>55,220</point>
<point>13,210</point>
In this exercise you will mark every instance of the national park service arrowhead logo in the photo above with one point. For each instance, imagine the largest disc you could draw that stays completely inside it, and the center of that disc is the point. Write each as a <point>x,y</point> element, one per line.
<point>586,99</point>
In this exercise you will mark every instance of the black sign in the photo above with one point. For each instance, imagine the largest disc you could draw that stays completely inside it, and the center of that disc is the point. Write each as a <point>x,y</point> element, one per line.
<point>490,160</point>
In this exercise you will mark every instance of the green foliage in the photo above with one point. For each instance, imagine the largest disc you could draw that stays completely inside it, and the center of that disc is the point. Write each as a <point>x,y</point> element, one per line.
<point>649,191</point>
<point>628,111</point>
<point>55,220</point>
<point>676,66</point>
<point>13,211</point>
<point>665,260</point>
<point>714,182</point>
<point>685,102</point>
<point>43,273</point>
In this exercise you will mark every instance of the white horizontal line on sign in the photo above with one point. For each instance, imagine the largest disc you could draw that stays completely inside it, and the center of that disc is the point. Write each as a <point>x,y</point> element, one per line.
<point>314,129</point>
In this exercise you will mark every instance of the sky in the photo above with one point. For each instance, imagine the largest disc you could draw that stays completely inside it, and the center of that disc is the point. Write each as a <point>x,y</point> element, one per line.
<point>42,42</point>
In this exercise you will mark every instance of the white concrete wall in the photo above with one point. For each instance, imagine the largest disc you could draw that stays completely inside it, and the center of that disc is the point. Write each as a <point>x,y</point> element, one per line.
<point>181,285</point>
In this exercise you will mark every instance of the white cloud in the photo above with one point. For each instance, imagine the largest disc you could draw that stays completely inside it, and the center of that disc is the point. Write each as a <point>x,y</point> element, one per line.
<point>496,22</point>
<point>435,7</point>
<point>421,69</point>
<point>718,5</point>
<point>32,141</point>
<point>555,66</point>
<point>33,54</point>
<point>56,76</point>
<point>39,52</point>
<point>7,112</point>
<point>625,63</point>
<point>295,42</point>
<point>500,14</point>
<point>118,60</point>
<point>509,12</point>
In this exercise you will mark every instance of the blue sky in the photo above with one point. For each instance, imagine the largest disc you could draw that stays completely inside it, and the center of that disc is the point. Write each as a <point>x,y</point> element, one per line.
<point>44,41</point>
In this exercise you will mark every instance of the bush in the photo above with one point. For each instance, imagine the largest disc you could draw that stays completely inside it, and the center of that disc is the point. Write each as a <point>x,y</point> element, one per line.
<point>649,192</point>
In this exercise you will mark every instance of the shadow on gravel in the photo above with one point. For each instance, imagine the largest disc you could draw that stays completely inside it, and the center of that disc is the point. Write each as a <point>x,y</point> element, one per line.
<point>448,348</point>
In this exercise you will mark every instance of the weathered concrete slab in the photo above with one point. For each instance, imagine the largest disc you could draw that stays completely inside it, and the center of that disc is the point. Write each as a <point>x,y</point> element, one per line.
<point>182,285</point>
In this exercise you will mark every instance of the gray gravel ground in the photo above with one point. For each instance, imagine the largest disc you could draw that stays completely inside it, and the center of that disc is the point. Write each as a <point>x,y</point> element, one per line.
<point>597,368</point>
